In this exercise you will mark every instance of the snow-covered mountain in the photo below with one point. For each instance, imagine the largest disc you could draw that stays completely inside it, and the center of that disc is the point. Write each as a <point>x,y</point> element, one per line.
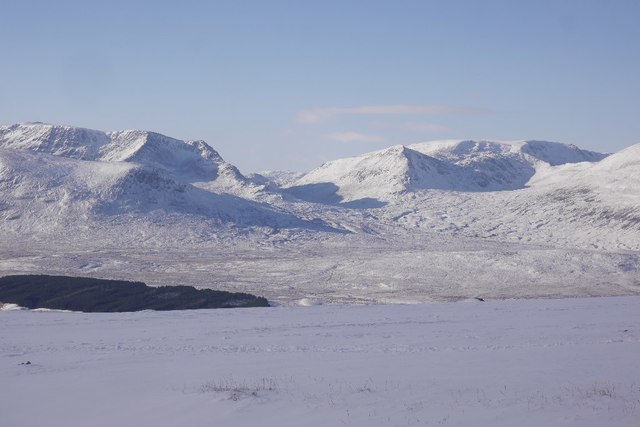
<point>58,176</point>
<point>443,165</point>
<point>189,161</point>
<point>41,193</point>
<point>438,220</point>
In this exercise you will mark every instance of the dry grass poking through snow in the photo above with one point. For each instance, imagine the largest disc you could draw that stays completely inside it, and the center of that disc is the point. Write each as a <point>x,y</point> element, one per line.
<point>238,390</point>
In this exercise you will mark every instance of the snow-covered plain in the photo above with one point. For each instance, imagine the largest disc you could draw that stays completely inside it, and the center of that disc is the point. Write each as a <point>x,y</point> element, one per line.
<point>568,362</point>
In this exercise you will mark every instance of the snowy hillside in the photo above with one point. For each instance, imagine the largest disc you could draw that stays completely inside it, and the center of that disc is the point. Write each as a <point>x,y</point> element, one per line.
<point>189,161</point>
<point>42,193</point>
<point>603,195</point>
<point>443,165</point>
<point>618,175</point>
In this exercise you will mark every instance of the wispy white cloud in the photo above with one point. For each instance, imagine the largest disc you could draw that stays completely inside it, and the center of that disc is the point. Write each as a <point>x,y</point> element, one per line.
<point>425,127</point>
<point>317,115</point>
<point>349,137</point>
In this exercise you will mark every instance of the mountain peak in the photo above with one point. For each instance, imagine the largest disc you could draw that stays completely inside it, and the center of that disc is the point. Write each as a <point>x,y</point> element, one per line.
<point>65,141</point>
<point>191,161</point>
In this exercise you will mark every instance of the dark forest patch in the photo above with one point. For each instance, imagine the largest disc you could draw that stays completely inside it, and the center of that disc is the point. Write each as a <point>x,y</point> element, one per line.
<point>101,295</point>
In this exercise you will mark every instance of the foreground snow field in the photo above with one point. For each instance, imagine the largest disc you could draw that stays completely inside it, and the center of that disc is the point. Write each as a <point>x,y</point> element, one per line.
<point>566,362</point>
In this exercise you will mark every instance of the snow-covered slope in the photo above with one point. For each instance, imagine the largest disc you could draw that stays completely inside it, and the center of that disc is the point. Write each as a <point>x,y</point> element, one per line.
<point>588,205</point>
<point>56,178</point>
<point>613,182</point>
<point>49,189</point>
<point>188,161</point>
<point>617,175</point>
<point>605,195</point>
<point>275,178</point>
<point>66,141</point>
<point>446,165</point>
<point>468,152</point>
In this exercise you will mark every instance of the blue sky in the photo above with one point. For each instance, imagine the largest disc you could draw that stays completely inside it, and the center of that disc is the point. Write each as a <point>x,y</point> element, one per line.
<point>290,84</point>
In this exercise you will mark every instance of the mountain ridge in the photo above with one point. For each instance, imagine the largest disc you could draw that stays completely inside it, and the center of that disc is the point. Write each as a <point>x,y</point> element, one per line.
<point>191,161</point>
<point>405,224</point>
<point>454,165</point>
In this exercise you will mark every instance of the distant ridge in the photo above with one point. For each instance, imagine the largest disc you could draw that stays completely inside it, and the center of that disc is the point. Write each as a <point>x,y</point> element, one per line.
<point>442,165</point>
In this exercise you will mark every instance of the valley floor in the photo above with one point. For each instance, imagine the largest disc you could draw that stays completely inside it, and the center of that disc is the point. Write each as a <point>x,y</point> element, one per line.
<point>559,362</point>
<point>352,269</point>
